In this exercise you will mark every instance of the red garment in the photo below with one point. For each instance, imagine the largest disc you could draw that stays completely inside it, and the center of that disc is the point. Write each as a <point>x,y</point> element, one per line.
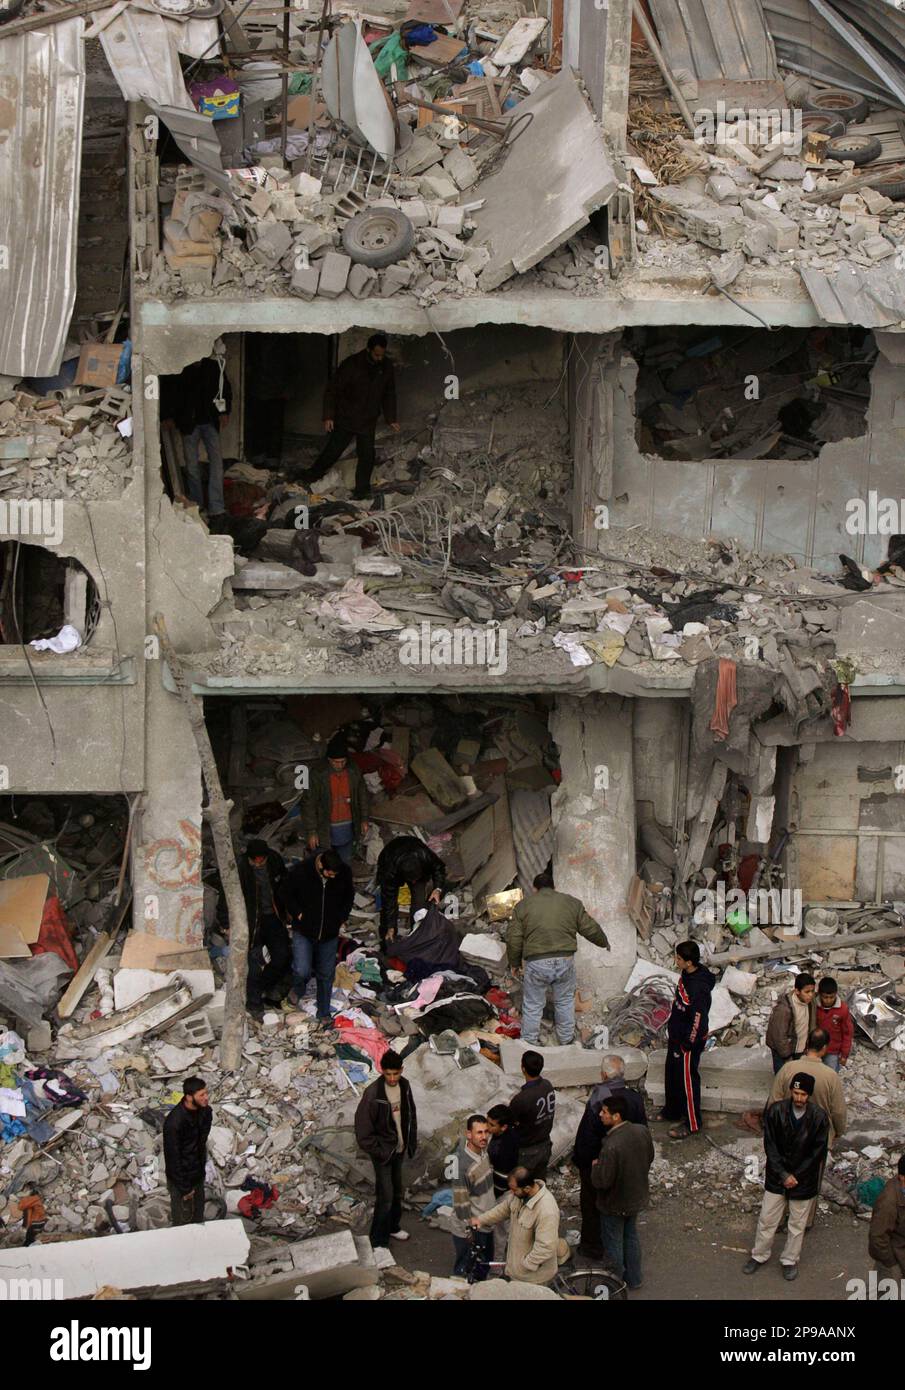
<point>841,709</point>
<point>340,798</point>
<point>837,1021</point>
<point>726,698</point>
<point>54,935</point>
<point>499,998</point>
<point>258,1200</point>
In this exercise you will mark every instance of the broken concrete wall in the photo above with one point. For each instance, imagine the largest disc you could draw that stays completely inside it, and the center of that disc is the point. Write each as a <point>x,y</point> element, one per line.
<point>773,506</point>
<point>592,386</point>
<point>659,734</point>
<point>852,789</point>
<point>594,823</point>
<point>186,571</point>
<point>97,716</point>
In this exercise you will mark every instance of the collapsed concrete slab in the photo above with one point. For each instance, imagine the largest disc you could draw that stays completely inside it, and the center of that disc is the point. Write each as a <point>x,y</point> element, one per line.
<point>732,1078</point>
<point>555,174</point>
<point>573,1065</point>
<point>327,1266</point>
<point>170,1263</point>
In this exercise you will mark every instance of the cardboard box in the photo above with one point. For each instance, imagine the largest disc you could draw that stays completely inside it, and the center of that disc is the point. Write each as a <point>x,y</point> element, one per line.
<point>98,364</point>
<point>21,912</point>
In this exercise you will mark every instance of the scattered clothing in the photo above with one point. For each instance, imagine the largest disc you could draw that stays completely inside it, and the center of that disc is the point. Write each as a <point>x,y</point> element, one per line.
<point>726,698</point>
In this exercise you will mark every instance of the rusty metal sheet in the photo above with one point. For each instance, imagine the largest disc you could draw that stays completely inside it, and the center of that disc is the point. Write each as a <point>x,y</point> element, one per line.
<point>42,97</point>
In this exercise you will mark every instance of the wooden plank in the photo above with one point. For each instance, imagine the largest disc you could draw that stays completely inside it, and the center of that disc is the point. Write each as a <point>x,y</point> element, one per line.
<point>84,975</point>
<point>804,943</point>
<point>439,780</point>
<point>522,37</point>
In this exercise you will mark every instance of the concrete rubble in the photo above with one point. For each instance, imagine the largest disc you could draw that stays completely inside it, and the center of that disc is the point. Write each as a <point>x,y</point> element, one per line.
<point>64,441</point>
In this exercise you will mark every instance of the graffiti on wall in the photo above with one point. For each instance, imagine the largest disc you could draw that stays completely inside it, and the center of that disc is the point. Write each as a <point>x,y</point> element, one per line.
<point>172,865</point>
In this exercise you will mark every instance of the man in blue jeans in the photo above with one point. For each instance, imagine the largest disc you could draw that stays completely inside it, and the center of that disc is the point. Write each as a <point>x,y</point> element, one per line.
<point>317,895</point>
<point>541,945</point>
<point>620,1176</point>
<point>199,401</point>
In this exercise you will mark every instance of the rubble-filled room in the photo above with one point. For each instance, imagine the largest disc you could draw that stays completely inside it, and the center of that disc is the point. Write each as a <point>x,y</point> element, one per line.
<point>748,392</point>
<point>45,598</point>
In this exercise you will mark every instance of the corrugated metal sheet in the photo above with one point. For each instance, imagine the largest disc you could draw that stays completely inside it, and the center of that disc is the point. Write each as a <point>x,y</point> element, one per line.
<point>42,97</point>
<point>143,52</point>
<point>716,38</point>
<point>806,43</point>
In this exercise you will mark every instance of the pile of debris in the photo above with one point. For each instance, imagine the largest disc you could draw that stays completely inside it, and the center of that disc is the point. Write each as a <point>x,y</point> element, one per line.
<point>72,442</point>
<point>415,173</point>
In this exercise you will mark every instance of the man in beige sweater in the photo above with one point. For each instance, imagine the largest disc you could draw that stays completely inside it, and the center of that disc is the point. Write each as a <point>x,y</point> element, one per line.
<point>828,1093</point>
<point>533,1214</point>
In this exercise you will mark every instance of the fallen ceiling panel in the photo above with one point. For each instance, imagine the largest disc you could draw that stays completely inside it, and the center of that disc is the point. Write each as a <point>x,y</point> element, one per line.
<point>873,296</point>
<point>716,38</point>
<point>553,176</point>
<point>42,98</point>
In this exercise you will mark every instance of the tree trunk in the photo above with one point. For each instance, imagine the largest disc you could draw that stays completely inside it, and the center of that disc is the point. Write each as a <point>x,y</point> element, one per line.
<point>217,812</point>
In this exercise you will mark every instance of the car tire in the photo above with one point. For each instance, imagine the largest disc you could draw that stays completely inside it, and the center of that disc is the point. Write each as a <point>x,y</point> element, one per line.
<point>829,101</point>
<point>891,188</point>
<point>378,237</point>
<point>859,149</point>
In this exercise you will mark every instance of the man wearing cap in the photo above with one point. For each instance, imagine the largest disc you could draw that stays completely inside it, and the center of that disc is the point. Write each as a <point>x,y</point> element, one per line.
<point>796,1138</point>
<point>336,807</point>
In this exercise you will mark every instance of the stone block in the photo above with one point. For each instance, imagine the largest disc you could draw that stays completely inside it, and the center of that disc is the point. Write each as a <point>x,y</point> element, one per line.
<point>362,281</point>
<point>335,269</point>
<point>511,1291</point>
<point>483,948</point>
<point>417,212</point>
<point>451,219</point>
<point>460,167</point>
<point>782,231</point>
<point>272,241</point>
<point>328,1267</point>
<point>439,186</point>
<point>305,281</point>
<point>733,1078</point>
<point>394,278</point>
<point>572,1065</point>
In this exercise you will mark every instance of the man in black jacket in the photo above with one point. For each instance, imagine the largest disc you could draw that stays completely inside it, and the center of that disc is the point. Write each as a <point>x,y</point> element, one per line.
<point>386,1127</point>
<point>317,894</point>
<point>590,1135</point>
<point>533,1109</point>
<point>261,872</point>
<point>686,1035</point>
<point>362,387</point>
<point>620,1177</point>
<point>796,1138</point>
<point>185,1132</point>
<point>406,859</point>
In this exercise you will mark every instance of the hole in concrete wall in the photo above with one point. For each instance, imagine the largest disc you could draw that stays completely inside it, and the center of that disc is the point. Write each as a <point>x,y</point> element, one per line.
<point>41,592</point>
<point>749,393</point>
<point>471,776</point>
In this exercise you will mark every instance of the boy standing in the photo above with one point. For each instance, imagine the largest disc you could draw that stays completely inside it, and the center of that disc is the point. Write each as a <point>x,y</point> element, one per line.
<point>834,1018</point>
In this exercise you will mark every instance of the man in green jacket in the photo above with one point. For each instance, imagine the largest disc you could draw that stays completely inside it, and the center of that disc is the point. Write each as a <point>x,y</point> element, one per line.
<point>541,945</point>
<point>335,810</point>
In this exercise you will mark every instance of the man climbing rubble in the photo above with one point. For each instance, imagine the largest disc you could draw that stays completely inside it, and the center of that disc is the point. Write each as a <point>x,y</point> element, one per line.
<point>362,387</point>
<point>185,1132</point>
<point>541,945</point>
<point>407,860</point>
<point>335,810</point>
<point>686,1035</point>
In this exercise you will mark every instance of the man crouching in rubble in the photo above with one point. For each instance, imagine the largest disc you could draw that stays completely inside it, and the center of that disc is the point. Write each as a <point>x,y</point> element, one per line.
<point>543,934</point>
<point>686,1035</point>
<point>185,1132</point>
<point>386,1127</point>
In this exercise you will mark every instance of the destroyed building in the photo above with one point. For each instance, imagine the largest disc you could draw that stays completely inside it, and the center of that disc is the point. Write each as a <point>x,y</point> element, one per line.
<point>628,591</point>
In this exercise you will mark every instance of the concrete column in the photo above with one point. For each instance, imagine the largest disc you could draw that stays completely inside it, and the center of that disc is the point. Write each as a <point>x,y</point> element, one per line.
<point>186,570</point>
<point>594,827</point>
